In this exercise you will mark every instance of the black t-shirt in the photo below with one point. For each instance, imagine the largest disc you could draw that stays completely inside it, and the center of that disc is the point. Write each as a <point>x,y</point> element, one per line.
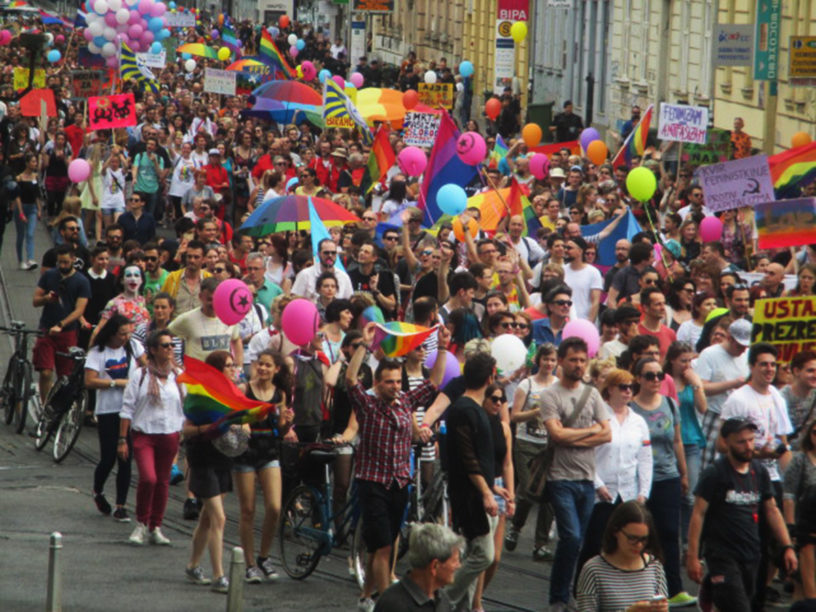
<point>567,126</point>
<point>731,527</point>
<point>81,263</point>
<point>626,281</point>
<point>341,403</point>
<point>69,289</point>
<point>362,282</point>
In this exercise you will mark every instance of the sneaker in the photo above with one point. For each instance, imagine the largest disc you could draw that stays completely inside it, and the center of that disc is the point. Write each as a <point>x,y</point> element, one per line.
<point>138,536</point>
<point>220,585</point>
<point>542,553</point>
<point>511,539</point>
<point>265,563</point>
<point>191,509</point>
<point>176,475</point>
<point>121,515</point>
<point>32,265</point>
<point>253,575</point>
<point>681,600</point>
<point>366,604</point>
<point>158,538</point>
<point>102,504</point>
<point>196,575</point>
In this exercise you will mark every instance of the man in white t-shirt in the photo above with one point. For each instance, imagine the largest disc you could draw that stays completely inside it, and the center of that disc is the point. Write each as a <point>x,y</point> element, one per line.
<point>585,280</point>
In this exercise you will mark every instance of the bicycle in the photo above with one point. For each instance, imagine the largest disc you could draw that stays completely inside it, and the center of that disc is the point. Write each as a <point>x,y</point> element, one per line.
<point>64,409</point>
<point>307,528</point>
<point>19,395</point>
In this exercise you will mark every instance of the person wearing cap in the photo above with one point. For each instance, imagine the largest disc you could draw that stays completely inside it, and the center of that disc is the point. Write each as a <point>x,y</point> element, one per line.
<point>731,498</point>
<point>627,318</point>
<point>738,302</point>
<point>557,178</point>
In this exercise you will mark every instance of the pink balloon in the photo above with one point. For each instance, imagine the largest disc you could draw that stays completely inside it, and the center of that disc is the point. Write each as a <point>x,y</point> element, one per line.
<point>658,252</point>
<point>231,301</point>
<point>293,51</point>
<point>145,6</point>
<point>412,161</point>
<point>158,9</point>
<point>112,61</point>
<point>711,229</point>
<point>309,70</point>
<point>135,31</point>
<point>60,39</point>
<point>339,80</point>
<point>540,165</point>
<point>79,170</point>
<point>357,80</point>
<point>135,17</point>
<point>86,33</point>
<point>300,321</point>
<point>110,19</point>
<point>581,328</point>
<point>146,38</point>
<point>134,44</point>
<point>471,148</point>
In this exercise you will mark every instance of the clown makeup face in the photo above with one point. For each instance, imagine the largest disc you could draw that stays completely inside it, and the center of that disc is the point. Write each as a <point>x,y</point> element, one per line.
<point>132,280</point>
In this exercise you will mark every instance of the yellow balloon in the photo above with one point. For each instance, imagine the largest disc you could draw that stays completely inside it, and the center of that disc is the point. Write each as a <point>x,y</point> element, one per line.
<point>518,31</point>
<point>224,54</point>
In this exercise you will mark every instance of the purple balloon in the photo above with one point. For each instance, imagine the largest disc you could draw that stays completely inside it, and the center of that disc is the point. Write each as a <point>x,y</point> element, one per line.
<point>452,368</point>
<point>587,136</point>
<point>214,33</point>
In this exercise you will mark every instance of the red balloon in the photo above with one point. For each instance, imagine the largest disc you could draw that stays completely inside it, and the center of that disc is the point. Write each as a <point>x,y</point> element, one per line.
<point>283,22</point>
<point>493,108</point>
<point>410,99</point>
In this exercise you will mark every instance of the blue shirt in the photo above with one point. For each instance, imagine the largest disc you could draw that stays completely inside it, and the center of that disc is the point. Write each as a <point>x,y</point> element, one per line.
<point>542,332</point>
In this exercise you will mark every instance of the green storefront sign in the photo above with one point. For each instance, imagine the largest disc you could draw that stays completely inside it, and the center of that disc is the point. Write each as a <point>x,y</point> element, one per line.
<point>766,48</point>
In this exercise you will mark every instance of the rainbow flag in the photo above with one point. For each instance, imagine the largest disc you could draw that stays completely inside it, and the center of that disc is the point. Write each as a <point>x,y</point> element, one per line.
<point>519,204</point>
<point>397,338</point>
<point>785,223</point>
<point>635,143</point>
<point>491,207</point>
<point>793,169</point>
<point>268,53</point>
<point>230,40</point>
<point>213,398</point>
<point>380,160</point>
<point>499,152</point>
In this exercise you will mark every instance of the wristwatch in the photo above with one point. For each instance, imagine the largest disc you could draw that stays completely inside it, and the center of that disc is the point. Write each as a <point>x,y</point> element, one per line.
<point>112,383</point>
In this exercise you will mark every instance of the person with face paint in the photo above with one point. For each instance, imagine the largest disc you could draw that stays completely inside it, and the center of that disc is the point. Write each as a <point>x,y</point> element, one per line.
<point>129,303</point>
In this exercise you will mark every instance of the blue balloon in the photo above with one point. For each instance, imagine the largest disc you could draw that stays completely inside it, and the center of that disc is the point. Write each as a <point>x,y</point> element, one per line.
<point>466,68</point>
<point>186,56</point>
<point>323,75</point>
<point>162,34</point>
<point>273,31</point>
<point>155,24</point>
<point>171,5</point>
<point>53,56</point>
<point>300,44</point>
<point>156,48</point>
<point>452,199</point>
<point>100,41</point>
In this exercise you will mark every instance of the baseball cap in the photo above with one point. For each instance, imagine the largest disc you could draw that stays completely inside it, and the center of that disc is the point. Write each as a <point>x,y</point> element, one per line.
<point>740,331</point>
<point>557,173</point>
<point>735,425</point>
<point>214,152</point>
<point>577,169</point>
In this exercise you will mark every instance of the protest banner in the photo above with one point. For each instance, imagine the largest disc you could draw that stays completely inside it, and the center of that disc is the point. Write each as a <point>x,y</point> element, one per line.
<point>789,323</point>
<point>154,60</point>
<point>436,94</point>
<point>339,122</point>
<point>87,83</point>
<point>115,111</point>
<point>420,129</point>
<point>179,20</point>
<point>682,123</point>
<point>21,78</point>
<point>548,149</point>
<point>741,182</point>
<point>786,223</point>
<point>718,148</point>
<point>219,81</point>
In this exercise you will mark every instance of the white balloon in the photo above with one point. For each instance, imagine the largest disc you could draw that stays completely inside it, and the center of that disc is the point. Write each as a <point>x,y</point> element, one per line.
<point>430,77</point>
<point>292,39</point>
<point>49,37</point>
<point>93,48</point>
<point>509,352</point>
<point>122,15</point>
<point>96,28</point>
<point>109,33</point>
<point>114,5</point>
<point>101,6</point>
<point>189,65</point>
<point>108,49</point>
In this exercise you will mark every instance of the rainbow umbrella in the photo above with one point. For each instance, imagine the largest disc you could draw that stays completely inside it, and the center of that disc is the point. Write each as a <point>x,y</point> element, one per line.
<point>376,104</point>
<point>291,213</point>
<point>289,91</point>
<point>243,64</point>
<point>199,50</point>
<point>287,101</point>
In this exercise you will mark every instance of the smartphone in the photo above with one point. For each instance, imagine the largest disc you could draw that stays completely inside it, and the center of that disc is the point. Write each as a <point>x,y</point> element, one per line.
<point>657,599</point>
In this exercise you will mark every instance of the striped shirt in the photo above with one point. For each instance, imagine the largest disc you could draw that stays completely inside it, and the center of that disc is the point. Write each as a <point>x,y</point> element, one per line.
<point>602,587</point>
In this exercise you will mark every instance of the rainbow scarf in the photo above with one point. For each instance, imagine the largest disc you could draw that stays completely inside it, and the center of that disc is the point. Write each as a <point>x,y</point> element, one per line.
<point>380,160</point>
<point>213,398</point>
<point>269,54</point>
<point>397,338</point>
<point>793,169</point>
<point>635,143</point>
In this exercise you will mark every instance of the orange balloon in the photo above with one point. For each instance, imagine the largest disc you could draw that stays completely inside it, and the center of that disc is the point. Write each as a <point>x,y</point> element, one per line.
<point>597,152</point>
<point>531,134</point>
<point>459,229</point>
<point>283,22</point>
<point>410,99</point>
<point>493,108</point>
<point>800,139</point>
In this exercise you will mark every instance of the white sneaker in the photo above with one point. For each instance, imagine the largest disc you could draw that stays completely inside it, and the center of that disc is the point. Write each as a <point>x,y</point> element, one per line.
<point>138,535</point>
<point>32,264</point>
<point>24,266</point>
<point>158,538</point>
<point>365,605</point>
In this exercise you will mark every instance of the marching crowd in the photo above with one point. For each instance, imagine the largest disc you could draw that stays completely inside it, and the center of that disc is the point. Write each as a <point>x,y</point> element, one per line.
<point>675,441</point>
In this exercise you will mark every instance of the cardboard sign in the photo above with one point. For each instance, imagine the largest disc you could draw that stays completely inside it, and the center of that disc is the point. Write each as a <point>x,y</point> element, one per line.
<point>154,60</point>
<point>786,223</point>
<point>788,323</point>
<point>179,20</point>
<point>339,122</point>
<point>717,149</point>
<point>742,182</point>
<point>682,123</point>
<point>21,78</point>
<point>419,129</point>
<point>107,112</point>
<point>436,94</point>
<point>219,81</point>
<point>87,83</point>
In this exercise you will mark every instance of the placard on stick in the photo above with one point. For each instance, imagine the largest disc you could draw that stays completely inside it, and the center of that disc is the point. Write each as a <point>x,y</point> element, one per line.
<point>108,112</point>
<point>219,81</point>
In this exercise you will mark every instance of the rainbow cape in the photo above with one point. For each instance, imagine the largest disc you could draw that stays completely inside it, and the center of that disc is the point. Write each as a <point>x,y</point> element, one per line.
<point>793,169</point>
<point>635,143</point>
<point>268,53</point>
<point>397,338</point>
<point>213,398</point>
<point>380,160</point>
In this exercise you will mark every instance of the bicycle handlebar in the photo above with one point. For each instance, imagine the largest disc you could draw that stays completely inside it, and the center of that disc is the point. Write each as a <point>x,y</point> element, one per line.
<point>13,331</point>
<point>79,355</point>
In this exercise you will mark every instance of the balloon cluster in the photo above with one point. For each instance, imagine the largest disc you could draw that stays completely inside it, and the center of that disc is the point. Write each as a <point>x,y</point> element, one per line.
<point>137,23</point>
<point>5,37</point>
<point>594,148</point>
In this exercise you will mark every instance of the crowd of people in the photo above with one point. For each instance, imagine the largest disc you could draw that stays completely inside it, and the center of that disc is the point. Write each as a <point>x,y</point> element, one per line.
<point>680,440</point>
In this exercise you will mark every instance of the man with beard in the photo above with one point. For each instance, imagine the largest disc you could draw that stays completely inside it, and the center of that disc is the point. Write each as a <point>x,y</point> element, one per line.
<point>154,274</point>
<point>622,247</point>
<point>63,295</point>
<point>68,228</point>
<point>305,281</point>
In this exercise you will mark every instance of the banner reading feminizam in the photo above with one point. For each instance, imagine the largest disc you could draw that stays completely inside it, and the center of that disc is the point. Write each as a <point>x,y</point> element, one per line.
<point>788,323</point>
<point>107,112</point>
<point>682,123</point>
<point>741,182</point>
<point>786,223</point>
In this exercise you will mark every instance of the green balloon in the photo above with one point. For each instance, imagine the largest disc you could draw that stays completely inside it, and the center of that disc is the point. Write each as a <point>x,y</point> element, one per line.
<point>641,184</point>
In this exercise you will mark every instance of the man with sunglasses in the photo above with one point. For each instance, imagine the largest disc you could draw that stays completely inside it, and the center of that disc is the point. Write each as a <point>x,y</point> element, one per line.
<point>154,274</point>
<point>305,284</point>
<point>549,329</point>
<point>136,222</point>
<point>68,229</point>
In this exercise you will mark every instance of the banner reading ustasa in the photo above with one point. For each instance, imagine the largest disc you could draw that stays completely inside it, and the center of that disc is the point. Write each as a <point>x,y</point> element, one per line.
<point>788,323</point>
<point>107,112</point>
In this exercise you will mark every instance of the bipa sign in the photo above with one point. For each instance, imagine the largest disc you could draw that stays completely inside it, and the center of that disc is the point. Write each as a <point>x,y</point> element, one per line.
<point>513,10</point>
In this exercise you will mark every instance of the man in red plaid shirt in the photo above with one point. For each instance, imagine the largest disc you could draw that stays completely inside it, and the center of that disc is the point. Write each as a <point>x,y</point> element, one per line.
<point>383,470</point>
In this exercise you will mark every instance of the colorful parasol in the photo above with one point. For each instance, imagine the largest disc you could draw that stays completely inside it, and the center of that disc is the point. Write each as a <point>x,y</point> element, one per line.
<point>243,64</point>
<point>289,91</point>
<point>284,111</point>
<point>377,104</point>
<point>291,213</point>
<point>198,49</point>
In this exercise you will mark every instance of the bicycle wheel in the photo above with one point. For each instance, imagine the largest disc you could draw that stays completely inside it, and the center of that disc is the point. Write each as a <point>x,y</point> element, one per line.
<point>302,536</point>
<point>359,555</point>
<point>44,425</point>
<point>7,391</point>
<point>23,395</point>
<point>68,430</point>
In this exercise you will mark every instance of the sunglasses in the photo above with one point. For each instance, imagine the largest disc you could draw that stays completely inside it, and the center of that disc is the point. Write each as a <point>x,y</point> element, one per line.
<point>508,325</point>
<point>151,258</point>
<point>497,398</point>
<point>626,387</point>
<point>369,218</point>
<point>653,376</point>
<point>522,326</point>
<point>166,344</point>
<point>633,539</point>
<point>219,270</point>
<point>390,238</point>
<point>329,253</point>
<point>356,345</point>
<point>562,302</point>
<point>426,252</point>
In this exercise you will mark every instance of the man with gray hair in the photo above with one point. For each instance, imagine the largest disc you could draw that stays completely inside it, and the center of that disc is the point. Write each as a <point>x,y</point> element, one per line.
<point>266,290</point>
<point>433,554</point>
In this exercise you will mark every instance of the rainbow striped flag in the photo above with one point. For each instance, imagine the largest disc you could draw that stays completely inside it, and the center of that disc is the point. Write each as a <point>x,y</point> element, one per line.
<point>230,40</point>
<point>268,53</point>
<point>519,204</point>
<point>635,143</point>
<point>793,169</point>
<point>213,398</point>
<point>786,223</point>
<point>397,338</point>
<point>499,152</point>
<point>380,160</point>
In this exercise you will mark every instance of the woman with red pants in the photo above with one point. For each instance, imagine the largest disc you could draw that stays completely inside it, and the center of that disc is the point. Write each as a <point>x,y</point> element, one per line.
<point>152,411</point>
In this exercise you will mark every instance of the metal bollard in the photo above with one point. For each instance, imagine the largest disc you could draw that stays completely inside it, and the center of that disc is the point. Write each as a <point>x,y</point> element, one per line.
<point>235,595</point>
<point>53,602</point>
